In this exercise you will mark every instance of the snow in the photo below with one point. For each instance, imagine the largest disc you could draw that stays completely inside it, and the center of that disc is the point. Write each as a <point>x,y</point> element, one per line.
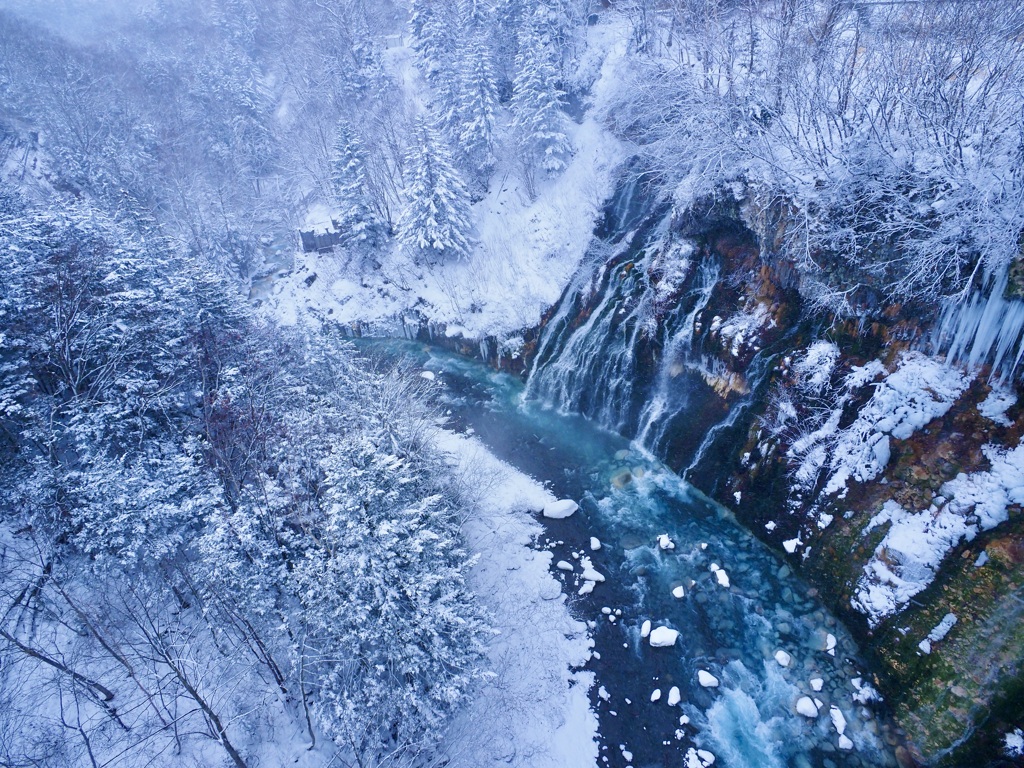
<point>595,543</point>
<point>674,696</point>
<point>916,543</point>
<point>838,719</point>
<point>562,565</point>
<point>534,244</point>
<point>535,711</point>
<point>663,637</point>
<point>560,509</point>
<point>845,742</point>
<point>790,545</point>
<point>678,593</point>
<point>817,683</point>
<point>919,390</point>
<point>722,577</point>
<point>998,402</point>
<point>645,628</point>
<point>815,366</point>
<point>938,633</point>
<point>656,694</point>
<point>699,758</point>
<point>806,707</point>
<point>665,543</point>
<point>783,658</point>
<point>706,679</point>
<point>589,572</point>
<point>1013,743</point>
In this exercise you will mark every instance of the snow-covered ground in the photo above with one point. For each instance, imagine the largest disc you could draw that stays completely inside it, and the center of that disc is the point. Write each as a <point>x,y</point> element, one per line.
<point>535,711</point>
<point>525,251</point>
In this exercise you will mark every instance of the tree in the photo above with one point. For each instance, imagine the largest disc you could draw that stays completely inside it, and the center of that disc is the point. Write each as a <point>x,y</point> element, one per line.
<point>436,219</point>
<point>537,99</point>
<point>478,104</point>
<point>356,216</point>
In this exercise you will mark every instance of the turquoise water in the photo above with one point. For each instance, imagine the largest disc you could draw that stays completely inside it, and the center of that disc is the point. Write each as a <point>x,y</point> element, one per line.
<point>627,500</point>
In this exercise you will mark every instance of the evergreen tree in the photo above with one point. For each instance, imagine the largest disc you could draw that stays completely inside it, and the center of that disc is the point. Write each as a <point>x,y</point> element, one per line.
<point>536,98</point>
<point>478,97</point>
<point>356,215</point>
<point>436,218</point>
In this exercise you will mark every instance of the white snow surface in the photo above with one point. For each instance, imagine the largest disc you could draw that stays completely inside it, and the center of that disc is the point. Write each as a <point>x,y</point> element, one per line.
<point>995,406</point>
<point>663,637</point>
<point>905,561</point>
<point>1013,743</point>
<point>534,245</point>
<point>535,712</point>
<point>919,390</point>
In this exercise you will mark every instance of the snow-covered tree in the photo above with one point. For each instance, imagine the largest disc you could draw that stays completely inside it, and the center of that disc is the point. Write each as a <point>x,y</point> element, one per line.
<point>537,99</point>
<point>350,194</point>
<point>478,105</point>
<point>436,219</point>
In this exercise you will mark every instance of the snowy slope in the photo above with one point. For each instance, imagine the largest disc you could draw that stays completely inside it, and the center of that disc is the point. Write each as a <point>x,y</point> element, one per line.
<point>525,250</point>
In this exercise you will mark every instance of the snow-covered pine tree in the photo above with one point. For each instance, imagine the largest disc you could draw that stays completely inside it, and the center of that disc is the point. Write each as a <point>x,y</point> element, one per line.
<point>356,215</point>
<point>478,103</point>
<point>436,219</point>
<point>536,97</point>
<point>434,25</point>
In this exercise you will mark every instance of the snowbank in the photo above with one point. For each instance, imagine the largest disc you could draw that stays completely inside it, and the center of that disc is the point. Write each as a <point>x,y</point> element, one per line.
<point>535,712</point>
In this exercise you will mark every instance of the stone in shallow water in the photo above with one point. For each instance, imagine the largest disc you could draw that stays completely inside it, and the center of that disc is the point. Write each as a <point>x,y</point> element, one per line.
<point>806,707</point>
<point>706,679</point>
<point>560,509</point>
<point>663,637</point>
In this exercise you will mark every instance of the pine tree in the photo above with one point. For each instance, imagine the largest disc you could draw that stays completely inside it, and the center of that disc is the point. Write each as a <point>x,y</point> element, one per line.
<point>478,97</point>
<point>536,98</point>
<point>356,215</point>
<point>436,218</point>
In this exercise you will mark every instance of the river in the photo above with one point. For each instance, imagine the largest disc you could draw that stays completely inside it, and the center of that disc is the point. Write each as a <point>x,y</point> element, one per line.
<point>733,602</point>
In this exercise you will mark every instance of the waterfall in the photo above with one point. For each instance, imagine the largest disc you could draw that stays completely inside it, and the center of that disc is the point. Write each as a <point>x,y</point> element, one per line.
<point>668,399</point>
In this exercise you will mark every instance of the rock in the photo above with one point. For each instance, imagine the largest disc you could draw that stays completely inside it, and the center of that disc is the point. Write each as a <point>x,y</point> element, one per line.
<point>706,679</point>
<point>783,658</point>
<point>558,510</point>
<point>722,577</point>
<point>645,628</point>
<point>806,707</point>
<point>838,719</point>
<point>674,697</point>
<point>663,637</point>
<point>665,543</point>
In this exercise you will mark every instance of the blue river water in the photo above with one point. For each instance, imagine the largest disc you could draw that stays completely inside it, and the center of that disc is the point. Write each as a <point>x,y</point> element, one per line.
<point>674,558</point>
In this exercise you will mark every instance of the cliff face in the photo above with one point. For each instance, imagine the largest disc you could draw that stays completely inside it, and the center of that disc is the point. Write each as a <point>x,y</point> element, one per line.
<point>889,480</point>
